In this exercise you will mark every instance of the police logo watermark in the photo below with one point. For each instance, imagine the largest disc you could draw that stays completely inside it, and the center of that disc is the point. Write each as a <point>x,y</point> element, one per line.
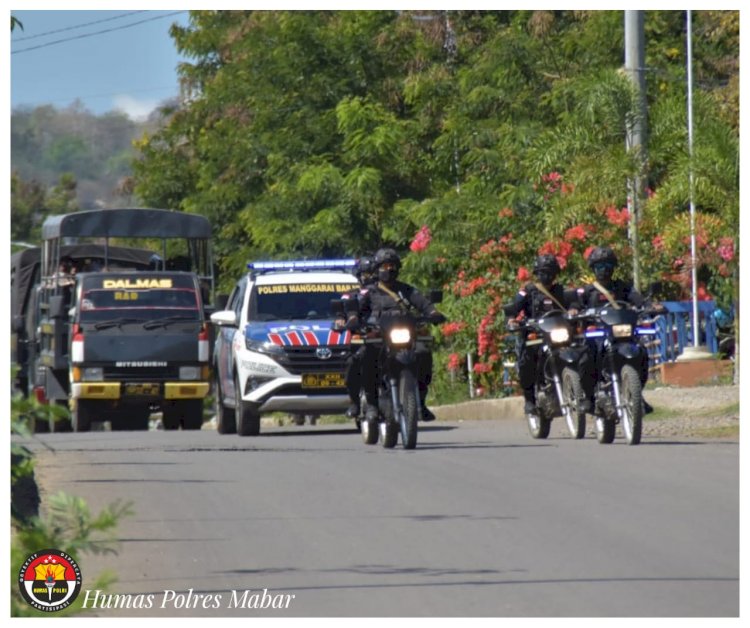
<point>49,580</point>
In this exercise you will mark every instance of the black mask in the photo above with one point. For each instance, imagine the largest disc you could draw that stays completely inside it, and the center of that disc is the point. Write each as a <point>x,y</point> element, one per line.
<point>603,272</point>
<point>387,275</point>
<point>546,277</point>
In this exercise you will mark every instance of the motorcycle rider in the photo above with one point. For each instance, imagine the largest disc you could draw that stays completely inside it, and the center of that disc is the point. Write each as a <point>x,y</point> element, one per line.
<point>390,296</point>
<point>364,271</point>
<point>605,289</point>
<point>532,301</point>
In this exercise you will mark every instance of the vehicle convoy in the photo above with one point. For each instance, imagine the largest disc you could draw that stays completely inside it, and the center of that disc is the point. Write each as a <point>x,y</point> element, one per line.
<point>398,391</point>
<point>275,347</point>
<point>113,332</point>
<point>558,382</point>
<point>616,332</point>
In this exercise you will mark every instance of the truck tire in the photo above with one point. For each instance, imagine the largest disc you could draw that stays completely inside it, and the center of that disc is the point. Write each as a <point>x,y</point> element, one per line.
<point>82,415</point>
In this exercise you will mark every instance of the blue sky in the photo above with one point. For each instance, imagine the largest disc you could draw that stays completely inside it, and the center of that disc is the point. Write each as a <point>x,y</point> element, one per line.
<point>131,68</point>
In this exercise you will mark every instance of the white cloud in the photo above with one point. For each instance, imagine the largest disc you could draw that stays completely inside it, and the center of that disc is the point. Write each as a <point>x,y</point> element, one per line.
<point>135,109</point>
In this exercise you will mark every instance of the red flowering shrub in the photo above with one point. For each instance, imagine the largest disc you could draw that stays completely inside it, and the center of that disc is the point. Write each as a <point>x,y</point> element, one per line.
<point>421,240</point>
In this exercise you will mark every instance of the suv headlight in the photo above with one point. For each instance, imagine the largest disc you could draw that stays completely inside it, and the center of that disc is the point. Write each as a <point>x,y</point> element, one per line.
<point>400,335</point>
<point>263,346</point>
<point>559,335</point>
<point>622,331</point>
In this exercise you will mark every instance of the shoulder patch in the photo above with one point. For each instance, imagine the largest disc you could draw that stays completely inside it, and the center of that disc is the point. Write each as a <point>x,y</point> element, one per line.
<point>522,293</point>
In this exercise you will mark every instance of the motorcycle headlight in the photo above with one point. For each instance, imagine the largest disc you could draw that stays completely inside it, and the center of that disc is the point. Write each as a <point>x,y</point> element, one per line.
<point>559,335</point>
<point>400,335</point>
<point>622,331</point>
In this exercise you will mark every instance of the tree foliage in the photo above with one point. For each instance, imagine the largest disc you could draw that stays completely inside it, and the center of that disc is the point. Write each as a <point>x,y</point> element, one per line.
<point>494,135</point>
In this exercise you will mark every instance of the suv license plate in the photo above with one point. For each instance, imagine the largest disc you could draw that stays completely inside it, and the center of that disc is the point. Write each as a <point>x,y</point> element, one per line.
<point>142,389</point>
<point>323,380</point>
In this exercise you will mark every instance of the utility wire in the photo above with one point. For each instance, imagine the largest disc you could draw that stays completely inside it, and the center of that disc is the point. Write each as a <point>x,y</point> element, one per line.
<point>108,30</point>
<point>71,28</point>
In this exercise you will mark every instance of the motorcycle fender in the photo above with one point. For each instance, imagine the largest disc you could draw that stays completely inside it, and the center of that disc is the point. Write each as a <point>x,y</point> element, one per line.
<point>406,357</point>
<point>628,351</point>
<point>570,355</point>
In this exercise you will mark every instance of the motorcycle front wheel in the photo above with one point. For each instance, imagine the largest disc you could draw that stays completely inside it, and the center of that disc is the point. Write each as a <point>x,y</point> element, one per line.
<point>407,393</point>
<point>632,405</point>
<point>538,427</point>
<point>605,430</point>
<point>575,417</point>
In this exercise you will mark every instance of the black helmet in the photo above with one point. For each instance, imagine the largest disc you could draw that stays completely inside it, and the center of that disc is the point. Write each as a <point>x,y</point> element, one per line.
<point>546,264</point>
<point>602,255</point>
<point>364,266</point>
<point>384,256</point>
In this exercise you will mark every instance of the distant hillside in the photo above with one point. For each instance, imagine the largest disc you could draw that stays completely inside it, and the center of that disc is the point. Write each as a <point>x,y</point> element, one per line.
<point>47,143</point>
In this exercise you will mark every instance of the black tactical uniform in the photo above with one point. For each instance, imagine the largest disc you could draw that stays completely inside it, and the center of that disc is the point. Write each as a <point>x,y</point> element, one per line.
<point>379,301</point>
<point>533,303</point>
<point>364,272</point>
<point>603,262</point>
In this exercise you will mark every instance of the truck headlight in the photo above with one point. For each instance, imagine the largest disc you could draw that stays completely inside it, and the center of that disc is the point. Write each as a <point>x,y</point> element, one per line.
<point>622,331</point>
<point>400,335</point>
<point>92,374</point>
<point>190,372</point>
<point>559,335</point>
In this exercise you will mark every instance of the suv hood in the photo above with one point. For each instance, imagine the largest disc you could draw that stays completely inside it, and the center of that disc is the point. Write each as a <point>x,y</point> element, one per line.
<point>297,333</point>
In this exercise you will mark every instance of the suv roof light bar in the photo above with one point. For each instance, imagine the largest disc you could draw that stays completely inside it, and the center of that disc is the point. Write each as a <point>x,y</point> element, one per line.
<point>320,264</point>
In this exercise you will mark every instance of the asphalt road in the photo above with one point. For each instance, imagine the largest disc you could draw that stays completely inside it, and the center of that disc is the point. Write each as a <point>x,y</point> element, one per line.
<point>480,520</point>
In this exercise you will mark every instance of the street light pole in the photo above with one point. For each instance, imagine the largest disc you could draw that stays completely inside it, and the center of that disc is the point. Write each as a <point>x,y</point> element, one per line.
<point>635,62</point>
<point>693,244</point>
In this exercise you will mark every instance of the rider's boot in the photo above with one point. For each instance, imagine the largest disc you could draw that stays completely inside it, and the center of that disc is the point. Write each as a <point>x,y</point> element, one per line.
<point>353,410</point>
<point>529,402</point>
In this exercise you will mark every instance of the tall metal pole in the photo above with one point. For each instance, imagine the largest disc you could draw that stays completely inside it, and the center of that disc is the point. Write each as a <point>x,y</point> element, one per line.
<point>693,245</point>
<point>635,63</point>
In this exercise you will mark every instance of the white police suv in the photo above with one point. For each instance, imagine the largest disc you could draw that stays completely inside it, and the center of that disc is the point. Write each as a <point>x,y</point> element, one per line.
<point>275,348</point>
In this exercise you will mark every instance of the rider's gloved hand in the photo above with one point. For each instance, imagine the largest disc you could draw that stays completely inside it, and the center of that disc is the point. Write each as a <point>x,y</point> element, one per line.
<point>436,317</point>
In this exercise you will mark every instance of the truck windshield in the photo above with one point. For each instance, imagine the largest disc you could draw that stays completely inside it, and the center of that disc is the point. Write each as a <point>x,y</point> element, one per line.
<point>138,298</point>
<point>296,301</point>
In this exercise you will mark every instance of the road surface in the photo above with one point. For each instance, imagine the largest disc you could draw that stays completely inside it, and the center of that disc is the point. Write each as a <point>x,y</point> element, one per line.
<point>480,520</point>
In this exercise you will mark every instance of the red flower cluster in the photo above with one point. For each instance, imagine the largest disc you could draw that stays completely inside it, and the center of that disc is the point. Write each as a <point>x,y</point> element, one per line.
<point>588,251</point>
<point>579,232</point>
<point>481,367</point>
<point>421,240</point>
<point>454,362</point>
<point>658,243</point>
<point>618,218</point>
<point>523,274</point>
<point>505,212</point>
<point>449,329</point>
<point>485,338</point>
<point>726,249</point>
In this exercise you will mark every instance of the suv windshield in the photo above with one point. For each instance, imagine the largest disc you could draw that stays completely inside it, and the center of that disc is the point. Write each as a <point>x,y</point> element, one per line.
<point>138,298</point>
<point>296,301</point>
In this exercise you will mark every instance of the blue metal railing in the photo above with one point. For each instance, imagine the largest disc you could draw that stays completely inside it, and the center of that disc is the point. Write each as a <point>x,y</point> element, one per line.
<point>675,329</point>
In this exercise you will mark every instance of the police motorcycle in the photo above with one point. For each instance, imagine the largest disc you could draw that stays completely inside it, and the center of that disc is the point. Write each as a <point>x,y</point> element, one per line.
<point>559,392</point>
<point>617,329</point>
<point>398,390</point>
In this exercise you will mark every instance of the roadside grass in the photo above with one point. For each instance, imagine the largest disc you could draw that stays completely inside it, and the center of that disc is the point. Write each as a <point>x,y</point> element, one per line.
<point>726,431</point>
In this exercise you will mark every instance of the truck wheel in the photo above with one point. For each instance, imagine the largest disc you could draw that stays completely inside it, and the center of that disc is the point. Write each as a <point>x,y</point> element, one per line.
<point>192,414</point>
<point>247,417</point>
<point>81,415</point>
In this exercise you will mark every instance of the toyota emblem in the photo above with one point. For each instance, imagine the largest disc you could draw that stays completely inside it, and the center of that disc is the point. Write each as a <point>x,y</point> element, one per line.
<point>324,353</point>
